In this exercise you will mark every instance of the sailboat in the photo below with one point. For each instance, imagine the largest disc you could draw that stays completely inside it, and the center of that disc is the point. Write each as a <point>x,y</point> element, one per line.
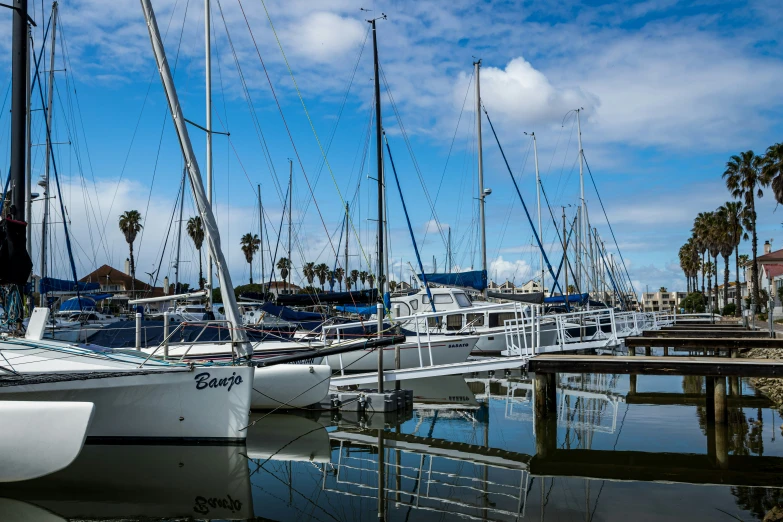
<point>134,399</point>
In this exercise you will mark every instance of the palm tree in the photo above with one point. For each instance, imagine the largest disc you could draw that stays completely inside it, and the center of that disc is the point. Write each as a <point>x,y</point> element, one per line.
<point>354,276</point>
<point>743,259</point>
<point>339,273</point>
<point>772,169</point>
<point>196,232</point>
<point>130,225</point>
<point>309,272</point>
<point>284,265</point>
<point>745,179</point>
<point>363,277</point>
<point>322,271</point>
<point>734,212</point>
<point>250,244</point>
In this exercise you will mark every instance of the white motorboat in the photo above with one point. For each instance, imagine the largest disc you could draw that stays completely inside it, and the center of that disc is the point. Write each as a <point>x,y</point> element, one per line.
<point>39,438</point>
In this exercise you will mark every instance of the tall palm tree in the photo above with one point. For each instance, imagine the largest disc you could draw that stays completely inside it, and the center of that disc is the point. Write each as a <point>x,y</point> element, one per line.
<point>354,276</point>
<point>130,225</point>
<point>734,212</point>
<point>196,232</point>
<point>322,271</point>
<point>700,238</point>
<point>284,265</point>
<point>250,244</point>
<point>772,169</point>
<point>363,277</point>
<point>339,273</point>
<point>309,272</point>
<point>745,179</point>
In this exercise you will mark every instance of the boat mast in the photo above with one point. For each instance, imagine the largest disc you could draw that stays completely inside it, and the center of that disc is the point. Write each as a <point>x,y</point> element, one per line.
<point>379,155</point>
<point>49,112</point>
<point>481,194</point>
<point>19,98</point>
<point>290,203</point>
<point>538,201</point>
<point>179,235</point>
<point>582,235</point>
<point>261,237</point>
<point>208,128</point>
<point>244,348</point>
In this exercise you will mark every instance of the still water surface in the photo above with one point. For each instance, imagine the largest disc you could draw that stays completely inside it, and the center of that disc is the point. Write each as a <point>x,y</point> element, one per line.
<point>618,448</point>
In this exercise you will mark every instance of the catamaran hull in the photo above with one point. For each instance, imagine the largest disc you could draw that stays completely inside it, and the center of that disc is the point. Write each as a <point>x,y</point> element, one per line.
<point>443,352</point>
<point>203,404</point>
<point>290,386</point>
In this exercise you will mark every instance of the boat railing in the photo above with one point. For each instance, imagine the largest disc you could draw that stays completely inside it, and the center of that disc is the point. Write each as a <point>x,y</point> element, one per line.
<point>167,336</point>
<point>419,322</point>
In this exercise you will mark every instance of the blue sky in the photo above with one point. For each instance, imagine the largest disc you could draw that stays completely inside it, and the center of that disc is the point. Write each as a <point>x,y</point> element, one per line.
<point>670,90</point>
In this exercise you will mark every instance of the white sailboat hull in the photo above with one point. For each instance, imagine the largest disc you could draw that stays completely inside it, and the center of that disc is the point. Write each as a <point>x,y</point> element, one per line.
<point>445,350</point>
<point>206,403</point>
<point>39,438</point>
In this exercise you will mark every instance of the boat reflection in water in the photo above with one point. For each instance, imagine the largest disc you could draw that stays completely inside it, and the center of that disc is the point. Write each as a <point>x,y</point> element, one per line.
<point>139,481</point>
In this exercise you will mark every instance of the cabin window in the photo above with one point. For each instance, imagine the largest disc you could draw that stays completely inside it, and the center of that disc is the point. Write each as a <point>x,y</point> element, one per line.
<point>462,300</point>
<point>415,304</point>
<point>497,319</point>
<point>453,322</point>
<point>443,299</point>
<point>475,319</point>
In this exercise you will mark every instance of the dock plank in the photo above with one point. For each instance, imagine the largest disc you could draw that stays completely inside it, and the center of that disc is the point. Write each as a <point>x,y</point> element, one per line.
<point>654,365</point>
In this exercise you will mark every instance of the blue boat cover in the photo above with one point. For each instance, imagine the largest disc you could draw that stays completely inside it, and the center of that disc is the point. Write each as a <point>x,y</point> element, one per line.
<point>87,302</point>
<point>49,284</point>
<point>572,298</point>
<point>474,279</point>
<point>362,310</point>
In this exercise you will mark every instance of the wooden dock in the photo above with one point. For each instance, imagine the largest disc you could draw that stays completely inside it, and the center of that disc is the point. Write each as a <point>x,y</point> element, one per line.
<point>654,365</point>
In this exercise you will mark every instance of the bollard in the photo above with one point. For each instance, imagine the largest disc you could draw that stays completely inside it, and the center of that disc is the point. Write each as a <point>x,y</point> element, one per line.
<point>166,335</point>
<point>138,331</point>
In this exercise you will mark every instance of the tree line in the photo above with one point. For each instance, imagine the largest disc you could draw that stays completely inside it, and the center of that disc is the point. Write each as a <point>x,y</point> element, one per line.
<point>720,232</point>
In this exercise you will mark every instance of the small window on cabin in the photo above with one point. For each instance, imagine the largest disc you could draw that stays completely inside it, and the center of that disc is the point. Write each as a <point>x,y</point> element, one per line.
<point>462,300</point>
<point>443,299</point>
<point>475,319</point>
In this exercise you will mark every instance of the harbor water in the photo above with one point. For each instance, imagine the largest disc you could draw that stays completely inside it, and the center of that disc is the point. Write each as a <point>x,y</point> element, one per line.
<point>618,447</point>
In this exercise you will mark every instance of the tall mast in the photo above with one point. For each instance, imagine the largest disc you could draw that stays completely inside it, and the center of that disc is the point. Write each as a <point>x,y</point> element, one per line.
<point>19,96</point>
<point>261,235</point>
<point>538,201</point>
<point>290,202</point>
<point>49,113</point>
<point>244,348</point>
<point>347,217</point>
<point>582,210</point>
<point>28,163</point>
<point>208,75</point>
<point>179,234</point>
<point>481,195</point>
<point>379,155</point>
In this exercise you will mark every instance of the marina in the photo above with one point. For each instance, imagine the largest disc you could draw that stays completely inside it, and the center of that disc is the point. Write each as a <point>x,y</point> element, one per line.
<point>267,262</point>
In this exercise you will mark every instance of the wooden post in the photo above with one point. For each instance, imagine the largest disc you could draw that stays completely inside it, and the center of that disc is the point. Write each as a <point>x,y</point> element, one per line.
<point>539,391</point>
<point>551,392</point>
<point>722,445</point>
<point>721,416</point>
